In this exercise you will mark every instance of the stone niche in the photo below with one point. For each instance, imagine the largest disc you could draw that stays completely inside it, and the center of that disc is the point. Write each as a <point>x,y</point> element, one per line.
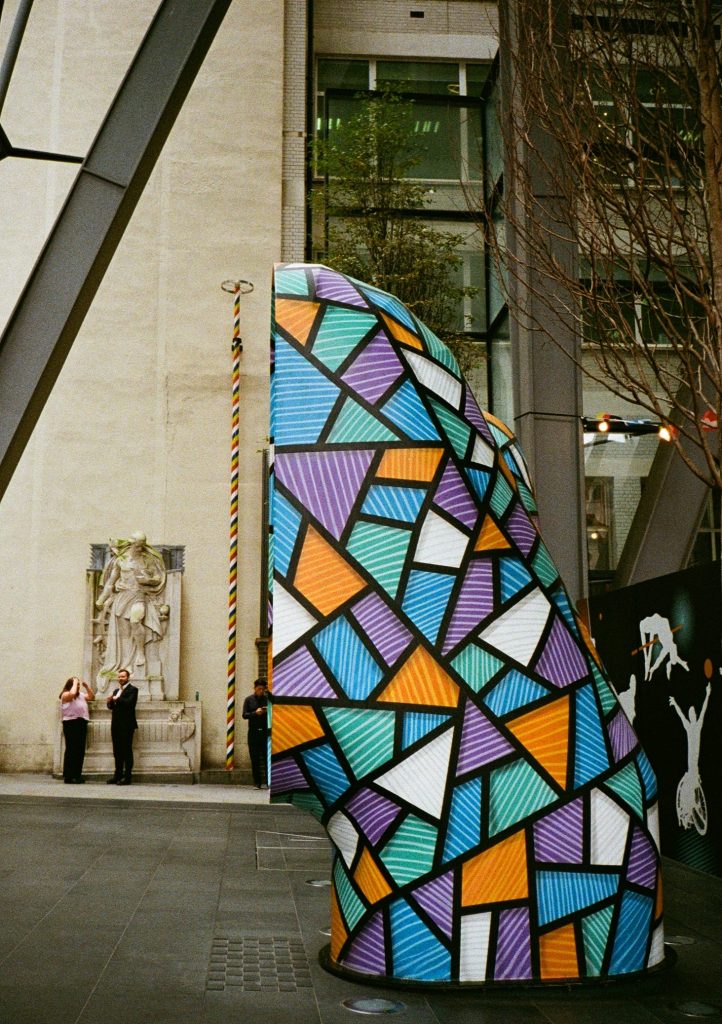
<point>132,620</point>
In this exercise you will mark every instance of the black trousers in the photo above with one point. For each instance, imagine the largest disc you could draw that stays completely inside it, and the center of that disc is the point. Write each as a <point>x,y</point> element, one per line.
<point>75,731</point>
<point>122,737</point>
<point>257,749</point>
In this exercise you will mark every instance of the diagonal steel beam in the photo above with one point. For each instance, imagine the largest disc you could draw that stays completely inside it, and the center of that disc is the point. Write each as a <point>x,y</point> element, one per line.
<point>61,286</point>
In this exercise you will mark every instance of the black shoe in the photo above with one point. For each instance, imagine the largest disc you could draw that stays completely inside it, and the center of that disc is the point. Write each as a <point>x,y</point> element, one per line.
<point>67,781</point>
<point>78,782</point>
<point>112,782</point>
<point>123,782</point>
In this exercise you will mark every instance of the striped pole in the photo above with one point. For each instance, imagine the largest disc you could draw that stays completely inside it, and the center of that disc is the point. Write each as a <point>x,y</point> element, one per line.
<point>236,349</point>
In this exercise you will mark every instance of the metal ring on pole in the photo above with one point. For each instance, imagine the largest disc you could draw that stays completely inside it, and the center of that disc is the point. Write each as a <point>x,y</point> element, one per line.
<point>244,287</point>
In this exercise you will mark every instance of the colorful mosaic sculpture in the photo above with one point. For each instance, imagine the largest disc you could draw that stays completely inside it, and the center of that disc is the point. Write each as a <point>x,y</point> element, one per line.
<point>436,702</point>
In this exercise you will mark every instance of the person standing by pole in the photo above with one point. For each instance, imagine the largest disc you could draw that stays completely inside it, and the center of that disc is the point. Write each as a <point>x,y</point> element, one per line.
<point>255,711</point>
<point>122,727</point>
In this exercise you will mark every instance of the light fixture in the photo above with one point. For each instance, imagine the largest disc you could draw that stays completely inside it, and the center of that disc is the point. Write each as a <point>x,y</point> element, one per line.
<point>606,423</point>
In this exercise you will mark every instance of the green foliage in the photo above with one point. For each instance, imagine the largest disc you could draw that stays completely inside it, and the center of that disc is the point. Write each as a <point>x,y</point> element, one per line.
<point>377,232</point>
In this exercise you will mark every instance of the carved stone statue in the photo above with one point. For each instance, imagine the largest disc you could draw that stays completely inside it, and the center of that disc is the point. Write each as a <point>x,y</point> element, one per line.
<point>133,614</point>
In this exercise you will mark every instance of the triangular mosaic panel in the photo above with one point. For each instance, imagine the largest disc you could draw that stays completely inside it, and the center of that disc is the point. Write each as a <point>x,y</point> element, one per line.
<point>435,700</point>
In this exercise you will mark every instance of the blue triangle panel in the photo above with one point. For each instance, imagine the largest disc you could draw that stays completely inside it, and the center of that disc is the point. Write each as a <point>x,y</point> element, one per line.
<point>464,826</point>
<point>417,724</point>
<point>417,953</point>
<point>427,595</point>
<point>297,385</point>
<point>350,661</point>
<point>648,776</point>
<point>562,602</point>
<point>405,410</point>
<point>512,692</point>
<point>514,577</point>
<point>395,503</point>
<point>633,927</point>
<point>479,480</point>
<point>590,758</point>
<point>563,892</point>
<point>328,775</point>
<point>286,521</point>
<point>389,304</point>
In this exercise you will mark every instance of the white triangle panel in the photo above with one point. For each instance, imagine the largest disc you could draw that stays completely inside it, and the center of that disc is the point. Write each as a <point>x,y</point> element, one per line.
<point>656,952</point>
<point>516,633</point>
<point>420,779</point>
<point>435,378</point>
<point>483,453</point>
<point>653,823</point>
<point>609,825</point>
<point>344,836</point>
<point>440,543</point>
<point>474,946</point>
<point>290,619</point>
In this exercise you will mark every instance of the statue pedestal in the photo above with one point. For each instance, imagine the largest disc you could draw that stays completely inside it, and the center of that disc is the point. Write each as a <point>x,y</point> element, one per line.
<point>167,742</point>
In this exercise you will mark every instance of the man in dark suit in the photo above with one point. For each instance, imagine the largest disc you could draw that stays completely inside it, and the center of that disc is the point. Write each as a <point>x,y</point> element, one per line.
<point>122,727</point>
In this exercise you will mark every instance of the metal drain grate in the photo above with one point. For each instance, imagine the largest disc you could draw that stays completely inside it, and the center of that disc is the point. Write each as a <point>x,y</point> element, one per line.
<point>258,965</point>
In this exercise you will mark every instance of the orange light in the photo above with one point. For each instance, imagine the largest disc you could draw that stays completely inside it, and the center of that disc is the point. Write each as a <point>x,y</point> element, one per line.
<point>603,427</point>
<point>667,432</point>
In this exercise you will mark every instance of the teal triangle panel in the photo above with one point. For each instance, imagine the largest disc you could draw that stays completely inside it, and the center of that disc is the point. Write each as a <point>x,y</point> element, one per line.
<point>291,282</point>
<point>595,933</point>
<point>439,351</point>
<point>409,852</point>
<point>516,791</point>
<point>351,906</point>
<point>340,332</point>
<point>476,666</point>
<point>381,550</point>
<point>365,736</point>
<point>356,425</point>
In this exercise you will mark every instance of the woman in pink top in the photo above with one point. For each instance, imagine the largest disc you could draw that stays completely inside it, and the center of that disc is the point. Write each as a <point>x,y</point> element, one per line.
<point>74,709</point>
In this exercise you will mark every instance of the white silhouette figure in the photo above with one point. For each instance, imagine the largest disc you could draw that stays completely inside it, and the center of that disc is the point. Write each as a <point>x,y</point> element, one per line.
<point>691,804</point>
<point>656,629</point>
<point>628,699</point>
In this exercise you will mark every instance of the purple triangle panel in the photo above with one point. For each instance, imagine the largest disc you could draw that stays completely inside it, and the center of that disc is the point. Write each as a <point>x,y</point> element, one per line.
<point>388,635</point>
<point>642,868</point>
<point>558,837</point>
<point>330,285</point>
<point>437,899</point>
<point>373,813</point>
<point>300,676</point>
<point>286,775</point>
<point>326,483</point>
<point>474,604</point>
<point>374,370</point>
<point>513,946</point>
<point>473,414</point>
<point>561,661</point>
<point>453,496</point>
<point>621,735</point>
<point>481,742</point>
<point>521,529</point>
<point>367,951</point>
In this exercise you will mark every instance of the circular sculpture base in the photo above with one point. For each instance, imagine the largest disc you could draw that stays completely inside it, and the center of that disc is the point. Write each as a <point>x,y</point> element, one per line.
<point>648,977</point>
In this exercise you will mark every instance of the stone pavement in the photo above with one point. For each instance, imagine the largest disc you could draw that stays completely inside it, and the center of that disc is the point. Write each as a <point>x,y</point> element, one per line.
<point>191,905</point>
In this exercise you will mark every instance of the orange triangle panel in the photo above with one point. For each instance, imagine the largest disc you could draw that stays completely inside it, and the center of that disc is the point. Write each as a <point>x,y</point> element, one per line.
<point>293,724</point>
<point>369,879</point>
<point>497,423</point>
<point>323,576</point>
<point>558,954</point>
<point>659,902</point>
<point>296,316</point>
<point>401,334</point>
<point>491,538</point>
<point>338,928</point>
<point>497,874</point>
<point>421,680</point>
<point>545,734</point>
<point>410,463</point>
<point>586,637</point>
